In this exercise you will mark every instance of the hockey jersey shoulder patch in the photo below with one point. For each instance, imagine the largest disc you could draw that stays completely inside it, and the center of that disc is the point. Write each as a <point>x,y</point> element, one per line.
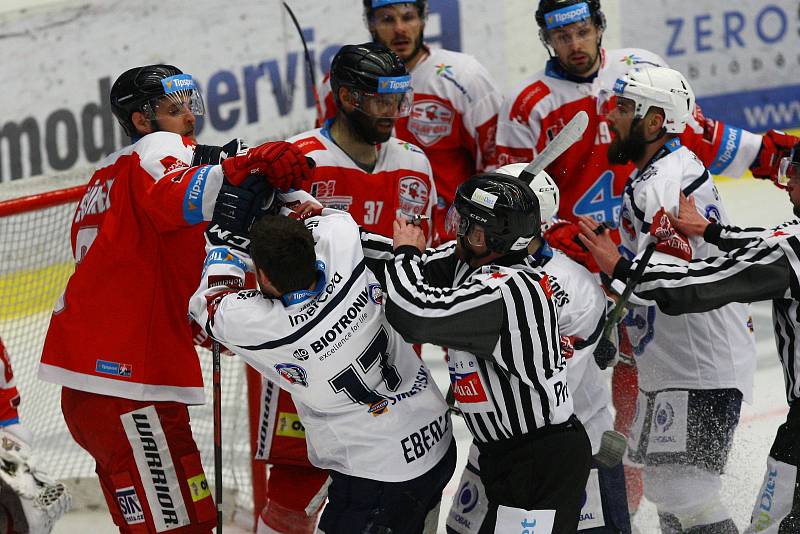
<point>526,100</point>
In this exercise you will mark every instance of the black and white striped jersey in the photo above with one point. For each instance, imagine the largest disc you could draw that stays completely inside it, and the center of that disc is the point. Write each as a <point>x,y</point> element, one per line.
<point>759,264</point>
<point>500,326</point>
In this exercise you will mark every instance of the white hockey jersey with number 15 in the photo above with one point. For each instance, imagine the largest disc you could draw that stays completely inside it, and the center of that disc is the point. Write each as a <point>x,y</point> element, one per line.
<point>369,405</point>
<point>709,350</point>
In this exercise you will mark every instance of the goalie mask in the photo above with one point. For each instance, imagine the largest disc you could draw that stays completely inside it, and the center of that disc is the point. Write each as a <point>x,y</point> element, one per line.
<point>497,210</point>
<point>154,88</point>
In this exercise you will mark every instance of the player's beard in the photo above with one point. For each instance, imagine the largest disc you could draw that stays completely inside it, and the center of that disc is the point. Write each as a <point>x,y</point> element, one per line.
<point>365,127</point>
<point>631,148</point>
<point>583,70</point>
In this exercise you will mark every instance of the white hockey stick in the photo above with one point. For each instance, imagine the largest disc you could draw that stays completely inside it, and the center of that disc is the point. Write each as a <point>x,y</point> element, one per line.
<point>568,135</point>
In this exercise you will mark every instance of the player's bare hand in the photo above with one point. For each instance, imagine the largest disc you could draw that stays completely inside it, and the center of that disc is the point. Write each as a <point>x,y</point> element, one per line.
<point>601,246</point>
<point>306,209</point>
<point>689,222</point>
<point>406,233</point>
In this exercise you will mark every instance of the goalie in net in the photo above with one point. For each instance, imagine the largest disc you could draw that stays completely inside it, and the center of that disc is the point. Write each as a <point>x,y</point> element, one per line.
<point>30,501</point>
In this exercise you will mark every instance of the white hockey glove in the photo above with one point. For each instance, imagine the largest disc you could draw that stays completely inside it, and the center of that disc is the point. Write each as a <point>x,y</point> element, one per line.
<point>24,487</point>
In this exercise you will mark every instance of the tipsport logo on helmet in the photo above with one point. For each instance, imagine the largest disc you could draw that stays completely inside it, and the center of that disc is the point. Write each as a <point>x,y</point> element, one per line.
<point>380,3</point>
<point>394,84</point>
<point>179,82</point>
<point>567,15</point>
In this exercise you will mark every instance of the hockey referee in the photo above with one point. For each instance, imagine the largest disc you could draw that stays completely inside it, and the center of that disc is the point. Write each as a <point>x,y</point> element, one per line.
<point>760,264</point>
<point>476,296</point>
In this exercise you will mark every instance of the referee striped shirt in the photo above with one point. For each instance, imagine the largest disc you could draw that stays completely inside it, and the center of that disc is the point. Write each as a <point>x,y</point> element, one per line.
<point>500,326</point>
<point>759,264</point>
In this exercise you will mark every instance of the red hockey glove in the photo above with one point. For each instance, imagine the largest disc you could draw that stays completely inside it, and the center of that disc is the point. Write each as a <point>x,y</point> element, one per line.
<point>563,235</point>
<point>774,145</point>
<point>283,164</point>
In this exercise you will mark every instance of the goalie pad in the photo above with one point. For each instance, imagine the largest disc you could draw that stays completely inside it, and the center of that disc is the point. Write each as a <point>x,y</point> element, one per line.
<point>32,500</point>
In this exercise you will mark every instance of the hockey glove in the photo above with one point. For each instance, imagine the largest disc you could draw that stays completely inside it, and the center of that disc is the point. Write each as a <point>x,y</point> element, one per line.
<point>563,235</point>
<point>774,146</point>
<point>213,155</point>
<point>282,163</point>
<point>236,210</point>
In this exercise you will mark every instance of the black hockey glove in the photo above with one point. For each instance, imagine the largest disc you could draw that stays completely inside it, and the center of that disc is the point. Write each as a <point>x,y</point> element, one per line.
<point>213,155</point>
<point>237,208</point>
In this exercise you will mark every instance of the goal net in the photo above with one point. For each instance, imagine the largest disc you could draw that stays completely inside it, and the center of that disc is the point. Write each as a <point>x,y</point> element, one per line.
<point>35,263</point>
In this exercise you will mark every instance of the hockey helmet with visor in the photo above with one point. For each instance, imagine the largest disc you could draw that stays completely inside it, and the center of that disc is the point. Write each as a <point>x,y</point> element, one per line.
<point>495,210</point>
<point>152,89</point>
<point>379,83</point>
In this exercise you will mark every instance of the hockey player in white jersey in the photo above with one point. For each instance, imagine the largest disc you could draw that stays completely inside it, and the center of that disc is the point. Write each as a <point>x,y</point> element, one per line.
<point>758,264</point>
<point>696,368</point>
<point>581,306</point>
<point>372,414</point>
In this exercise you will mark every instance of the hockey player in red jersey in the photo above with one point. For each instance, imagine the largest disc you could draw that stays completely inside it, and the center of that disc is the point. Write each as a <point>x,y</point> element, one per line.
<point>30,501</point>
<point>454,113</point>
<point>362,169</point>
<point>534,112</point>
<point>119,340</point>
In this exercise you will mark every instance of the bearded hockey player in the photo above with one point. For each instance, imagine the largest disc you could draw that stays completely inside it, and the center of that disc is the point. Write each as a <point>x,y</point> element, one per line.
<point>454,112</point>
<point>581,306</point>
<point>373,417</point>
<point>591,185</point>
<point>360,169</point>
<point>697,368</point>
<point>119,342</point>
<point>30,501</point>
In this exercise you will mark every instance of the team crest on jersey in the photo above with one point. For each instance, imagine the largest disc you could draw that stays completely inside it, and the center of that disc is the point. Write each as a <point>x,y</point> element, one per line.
<point>626,224</point>
<point>325,192</point>
<point>430,121</point>
<point>171,163</point>
<point>376,294</point>
<point>413,195</point>
<point>293,373</point>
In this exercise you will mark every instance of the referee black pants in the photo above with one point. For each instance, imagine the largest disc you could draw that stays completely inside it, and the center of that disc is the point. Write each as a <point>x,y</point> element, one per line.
<point>544,470</point>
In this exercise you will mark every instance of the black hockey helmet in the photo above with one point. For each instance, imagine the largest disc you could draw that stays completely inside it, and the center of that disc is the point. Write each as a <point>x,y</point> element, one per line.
<point>790,166</point>
<point>504,206</point>
<point>555,13</point>
<point>371,69</point>
<point>371,5</point>
<point>140,89</point>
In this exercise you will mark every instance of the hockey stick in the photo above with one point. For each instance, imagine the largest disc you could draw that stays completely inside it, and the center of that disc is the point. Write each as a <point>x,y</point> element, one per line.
<point>309,62</point>
<point>217,379</point>
<point>605,351</point>
<point>568,135</point>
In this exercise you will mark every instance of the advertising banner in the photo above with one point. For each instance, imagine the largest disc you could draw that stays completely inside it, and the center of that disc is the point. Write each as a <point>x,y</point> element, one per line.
<point>62,57</point>
<point>741,58</point>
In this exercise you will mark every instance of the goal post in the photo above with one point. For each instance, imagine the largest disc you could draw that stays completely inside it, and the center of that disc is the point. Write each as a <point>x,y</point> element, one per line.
<point>35,263</point>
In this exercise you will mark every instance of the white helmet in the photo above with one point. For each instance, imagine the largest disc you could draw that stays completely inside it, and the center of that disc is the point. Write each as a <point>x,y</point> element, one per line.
<point>659,87</point>
<point>543,185</point>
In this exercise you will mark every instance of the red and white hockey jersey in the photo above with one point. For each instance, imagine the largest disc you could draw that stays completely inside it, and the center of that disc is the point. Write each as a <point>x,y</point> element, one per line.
<point>120,328</point>
<point>400,183</point>
<point>453,119</point>
<point>537,110</point>
<point>9,398</point>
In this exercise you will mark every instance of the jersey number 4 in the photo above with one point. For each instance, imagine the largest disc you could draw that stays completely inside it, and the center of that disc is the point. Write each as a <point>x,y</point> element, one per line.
<point>350,380</point>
